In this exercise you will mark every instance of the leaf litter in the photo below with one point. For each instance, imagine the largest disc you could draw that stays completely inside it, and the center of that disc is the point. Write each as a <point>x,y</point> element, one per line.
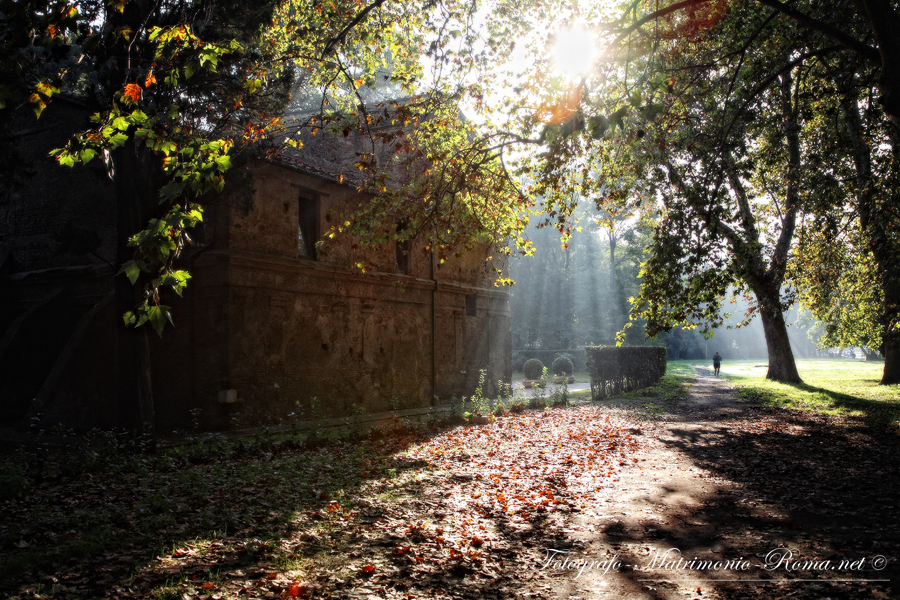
<point>455,513</point>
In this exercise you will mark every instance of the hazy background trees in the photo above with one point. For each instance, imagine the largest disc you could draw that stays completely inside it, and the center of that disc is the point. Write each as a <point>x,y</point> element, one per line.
<point>568,297</point>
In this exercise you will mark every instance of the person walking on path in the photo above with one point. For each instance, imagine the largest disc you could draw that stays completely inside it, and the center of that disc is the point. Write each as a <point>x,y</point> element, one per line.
<point>717,362</point>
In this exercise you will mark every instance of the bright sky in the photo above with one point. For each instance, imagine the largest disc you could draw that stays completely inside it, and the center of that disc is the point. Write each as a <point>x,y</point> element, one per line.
<point>574,52</point>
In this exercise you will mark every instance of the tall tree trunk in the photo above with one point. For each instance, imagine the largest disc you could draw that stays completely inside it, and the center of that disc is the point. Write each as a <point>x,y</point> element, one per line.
<point>782,366</point>
<point>767,284</point>
<point>620,303</point>
<point>873,220</point>
<point>891,335</point>
<point>886,249</point>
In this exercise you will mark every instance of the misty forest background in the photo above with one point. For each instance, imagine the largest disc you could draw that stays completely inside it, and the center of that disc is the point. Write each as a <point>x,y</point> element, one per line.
<point>576,293</point>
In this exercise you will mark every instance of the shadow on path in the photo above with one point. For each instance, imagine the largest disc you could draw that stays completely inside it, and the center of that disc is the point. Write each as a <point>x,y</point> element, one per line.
<point>802,506</point>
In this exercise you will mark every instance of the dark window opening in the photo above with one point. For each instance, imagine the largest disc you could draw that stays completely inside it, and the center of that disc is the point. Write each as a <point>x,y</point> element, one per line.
<point>402,251</point>
<point>403,256</point>
<point>471,306</point>
<point>308,227</point>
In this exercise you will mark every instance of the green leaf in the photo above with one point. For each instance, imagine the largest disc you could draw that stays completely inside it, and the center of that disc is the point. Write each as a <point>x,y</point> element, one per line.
<point>46,89</point>
<point>171,190</point>
<point>651,111</point>
<point>572,125</point>
<point>224,163</point>
<point>37,104</point>
<point>157,317</point>
<point>617,119</point>
<point>598,125</point>
<point>118,140</point>
<point>550,133</point>
<point>132,271</point>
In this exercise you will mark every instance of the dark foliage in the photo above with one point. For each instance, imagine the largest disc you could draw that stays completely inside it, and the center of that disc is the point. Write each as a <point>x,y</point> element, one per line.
<point>617,370</point>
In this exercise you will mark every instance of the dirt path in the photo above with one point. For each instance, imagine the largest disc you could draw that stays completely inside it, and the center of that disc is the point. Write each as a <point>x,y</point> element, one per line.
<point>729,483</point>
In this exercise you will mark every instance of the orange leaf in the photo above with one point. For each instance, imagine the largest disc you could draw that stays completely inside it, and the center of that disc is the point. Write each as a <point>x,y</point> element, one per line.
<point>133,92</point>
<point>297,590</point>
<point>368,569</point>
<point>207,586</point>
<point>150,79</point>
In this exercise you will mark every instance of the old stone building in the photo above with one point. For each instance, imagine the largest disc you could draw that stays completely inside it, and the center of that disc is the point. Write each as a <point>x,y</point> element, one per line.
<point>267,327</point>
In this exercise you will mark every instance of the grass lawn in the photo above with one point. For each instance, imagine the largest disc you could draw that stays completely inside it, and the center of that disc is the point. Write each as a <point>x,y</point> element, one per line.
<point>843,387</point>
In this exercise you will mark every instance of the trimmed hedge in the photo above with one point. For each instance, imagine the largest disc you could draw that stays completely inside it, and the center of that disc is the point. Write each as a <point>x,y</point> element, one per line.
<point>547,356</point>
<point>562,365</point>
<point>618,370</point>
<point>534,368</point>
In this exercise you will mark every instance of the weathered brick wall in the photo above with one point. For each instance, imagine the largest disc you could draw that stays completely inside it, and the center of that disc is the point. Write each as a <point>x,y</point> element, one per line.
<point>468,341</point>
<point>287,330</point>
<point>258,324</point>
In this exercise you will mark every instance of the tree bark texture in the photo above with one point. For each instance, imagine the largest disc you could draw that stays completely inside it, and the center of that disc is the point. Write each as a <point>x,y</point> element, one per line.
<point>891,335</point>
<point>873,219</point>
<point>782,366</point>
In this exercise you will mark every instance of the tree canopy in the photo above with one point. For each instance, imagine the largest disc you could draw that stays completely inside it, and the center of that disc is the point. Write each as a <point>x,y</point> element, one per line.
<point>762,136</point>
<point>753,137</point>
